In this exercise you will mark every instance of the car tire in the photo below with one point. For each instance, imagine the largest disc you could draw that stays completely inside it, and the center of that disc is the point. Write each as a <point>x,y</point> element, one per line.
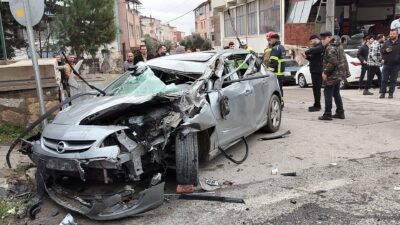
<point>344,84</point>
<point>274,115</point>
<point>187,158</point>
<point>302,81</point>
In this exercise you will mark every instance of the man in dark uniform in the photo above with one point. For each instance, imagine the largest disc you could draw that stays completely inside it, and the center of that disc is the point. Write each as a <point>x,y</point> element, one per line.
<point>314,56</point>
<point>335,69</point>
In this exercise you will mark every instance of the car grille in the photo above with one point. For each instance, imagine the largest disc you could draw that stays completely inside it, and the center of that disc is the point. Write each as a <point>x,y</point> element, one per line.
<point>67,146</point>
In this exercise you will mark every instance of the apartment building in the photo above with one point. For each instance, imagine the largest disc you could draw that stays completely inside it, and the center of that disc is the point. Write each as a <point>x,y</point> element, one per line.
<point>204,24</point>
<point>251,20</point>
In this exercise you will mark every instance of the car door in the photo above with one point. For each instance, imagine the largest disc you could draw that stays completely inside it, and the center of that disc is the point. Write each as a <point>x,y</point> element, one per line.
<point>238,122</point>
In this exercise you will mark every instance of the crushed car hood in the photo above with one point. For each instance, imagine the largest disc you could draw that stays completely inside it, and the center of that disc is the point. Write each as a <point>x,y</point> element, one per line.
<point>74,114</point>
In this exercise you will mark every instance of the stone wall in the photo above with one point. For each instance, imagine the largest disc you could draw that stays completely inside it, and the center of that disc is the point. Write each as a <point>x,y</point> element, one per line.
<point>18,98</point>
<point>22,107</point>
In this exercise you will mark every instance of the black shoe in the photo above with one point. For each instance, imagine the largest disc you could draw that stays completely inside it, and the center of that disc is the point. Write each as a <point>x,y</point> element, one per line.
<point>339,115</point>
<point>382,96</point>
<point>326,116</point>
<point>366,92</point>
<point>314,108</point>
<point>390,95</point>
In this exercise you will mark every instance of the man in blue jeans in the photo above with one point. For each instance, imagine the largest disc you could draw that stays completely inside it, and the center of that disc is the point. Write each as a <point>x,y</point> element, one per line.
<point>335,69</point>
<point>391,60</point>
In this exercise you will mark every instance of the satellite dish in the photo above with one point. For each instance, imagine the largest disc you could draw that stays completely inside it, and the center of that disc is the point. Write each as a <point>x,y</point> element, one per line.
<point>18,11</point>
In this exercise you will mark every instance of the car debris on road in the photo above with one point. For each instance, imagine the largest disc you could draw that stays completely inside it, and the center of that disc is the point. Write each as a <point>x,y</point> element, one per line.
<point>104,157</point>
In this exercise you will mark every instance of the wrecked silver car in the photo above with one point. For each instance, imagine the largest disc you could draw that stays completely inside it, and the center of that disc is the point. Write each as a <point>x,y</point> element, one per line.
<point>105,157</point>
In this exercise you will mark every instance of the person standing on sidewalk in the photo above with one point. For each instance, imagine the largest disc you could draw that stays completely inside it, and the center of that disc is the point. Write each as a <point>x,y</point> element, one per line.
<point>362,55</point>
<point>391,60</point>
<point>374,63</point>
<point>335,69</point>
<point>314,56</point>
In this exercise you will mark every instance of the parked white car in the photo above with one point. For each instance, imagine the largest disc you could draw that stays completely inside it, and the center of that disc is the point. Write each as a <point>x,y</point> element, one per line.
<point>303,76</point>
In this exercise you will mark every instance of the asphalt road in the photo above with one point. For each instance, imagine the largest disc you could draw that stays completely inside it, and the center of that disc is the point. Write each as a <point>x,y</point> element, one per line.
<point>347,171</point>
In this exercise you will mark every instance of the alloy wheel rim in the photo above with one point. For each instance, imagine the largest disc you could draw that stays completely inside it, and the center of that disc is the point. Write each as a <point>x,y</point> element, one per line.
<point>275,113</point>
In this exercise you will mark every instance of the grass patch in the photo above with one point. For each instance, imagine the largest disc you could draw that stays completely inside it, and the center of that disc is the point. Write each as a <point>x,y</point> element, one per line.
<point>8,133</point>
<point>14,203</point>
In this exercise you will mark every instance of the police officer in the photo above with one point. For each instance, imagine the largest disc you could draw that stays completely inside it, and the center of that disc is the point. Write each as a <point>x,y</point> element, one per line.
<point>277,59</point>
<point>314,56</point>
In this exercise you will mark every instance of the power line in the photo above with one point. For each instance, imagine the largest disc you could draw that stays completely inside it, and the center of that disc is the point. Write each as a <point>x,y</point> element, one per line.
<point>179,16</point>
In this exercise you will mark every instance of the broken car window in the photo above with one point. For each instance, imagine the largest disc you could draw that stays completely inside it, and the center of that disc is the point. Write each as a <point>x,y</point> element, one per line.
<point>145,83</point>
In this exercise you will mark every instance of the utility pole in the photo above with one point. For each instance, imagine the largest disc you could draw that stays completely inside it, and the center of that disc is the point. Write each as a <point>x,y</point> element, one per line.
<point>330,16</point>
<point>31,41</point>
<point>3,39</point>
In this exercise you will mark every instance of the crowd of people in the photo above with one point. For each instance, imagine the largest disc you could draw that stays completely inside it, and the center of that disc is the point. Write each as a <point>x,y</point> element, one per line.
<point>142,55</point>
<point>380,57</point>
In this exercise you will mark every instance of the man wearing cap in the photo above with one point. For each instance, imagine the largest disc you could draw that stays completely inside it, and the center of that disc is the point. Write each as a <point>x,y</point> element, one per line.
<point>335,69</point>
<point>277,59</point>
<point>268,49</point>
<point>314,56</point>
<point>243,44</point>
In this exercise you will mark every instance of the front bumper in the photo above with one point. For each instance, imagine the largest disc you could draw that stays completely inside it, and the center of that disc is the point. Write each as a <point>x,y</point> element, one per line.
<point>110,206</point>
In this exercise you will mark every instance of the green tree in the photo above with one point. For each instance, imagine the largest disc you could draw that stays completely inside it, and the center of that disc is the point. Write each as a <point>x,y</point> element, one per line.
<point>11,31</point>
<point>85,25</point>
<point>151,44</point>
<point>196,41</point>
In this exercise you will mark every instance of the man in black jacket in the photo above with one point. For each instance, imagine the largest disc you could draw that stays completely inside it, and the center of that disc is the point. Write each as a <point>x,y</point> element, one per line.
<point>391,60</point>
<point>315,55</point>
<point>362,55</point>
<point>143,56</point>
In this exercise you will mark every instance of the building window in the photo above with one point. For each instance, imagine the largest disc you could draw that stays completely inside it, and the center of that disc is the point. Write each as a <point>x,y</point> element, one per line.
<point>252,17</point>
<point>241,20</point>
<point>228,29</point>
<point>130,31</point>
<point>270,18</point>
<point>299,12</point>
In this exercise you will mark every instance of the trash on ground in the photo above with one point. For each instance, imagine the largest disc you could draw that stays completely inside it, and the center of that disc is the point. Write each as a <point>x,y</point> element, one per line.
<point>184,188</point>
<point>207,197</point>
<point>12,211</point>
<point>293,201</point>
<point>228,183</point>
<point>68,220</point>
<point>275,136</point>
<point>291,174</point>
<point>54,213</point>
<point>274,171</point>
<point>209,185</point>
<point>21,213</point>
<point>396,188</point>
<point>333,164</point>
<point>212,182</point>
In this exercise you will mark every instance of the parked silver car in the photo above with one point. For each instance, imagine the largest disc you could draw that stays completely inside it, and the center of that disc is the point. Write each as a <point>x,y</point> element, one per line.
<point>104,157</point>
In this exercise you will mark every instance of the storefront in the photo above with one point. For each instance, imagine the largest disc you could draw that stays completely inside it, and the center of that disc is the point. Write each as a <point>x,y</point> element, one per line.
<point>305,17</point>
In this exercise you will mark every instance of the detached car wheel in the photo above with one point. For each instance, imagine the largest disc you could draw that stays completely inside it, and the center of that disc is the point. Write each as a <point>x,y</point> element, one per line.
<point>187,159</point>
<point>274,115</point>
<point>302,81</point>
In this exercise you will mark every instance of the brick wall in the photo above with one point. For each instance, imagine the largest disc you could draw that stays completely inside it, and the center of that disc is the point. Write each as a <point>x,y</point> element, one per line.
<point>298,34</point>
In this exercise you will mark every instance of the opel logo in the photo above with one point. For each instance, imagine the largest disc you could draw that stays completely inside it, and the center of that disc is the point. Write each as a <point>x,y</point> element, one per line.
<point>61,147</point>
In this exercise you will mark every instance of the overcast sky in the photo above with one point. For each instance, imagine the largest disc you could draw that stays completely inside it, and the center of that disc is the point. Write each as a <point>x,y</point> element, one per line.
<point>166,10</point>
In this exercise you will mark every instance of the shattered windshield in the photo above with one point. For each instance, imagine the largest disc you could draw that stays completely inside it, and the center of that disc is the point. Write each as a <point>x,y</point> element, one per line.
<point>146,83</point>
